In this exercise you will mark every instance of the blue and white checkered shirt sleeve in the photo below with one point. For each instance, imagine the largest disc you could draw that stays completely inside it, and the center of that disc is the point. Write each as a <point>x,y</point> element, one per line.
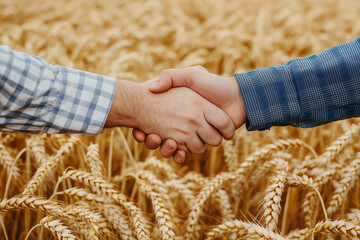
<point>305,92</point>
<point>38,97</point>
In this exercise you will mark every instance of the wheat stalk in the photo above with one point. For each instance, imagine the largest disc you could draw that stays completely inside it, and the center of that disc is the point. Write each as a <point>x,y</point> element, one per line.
<point>309,204</point>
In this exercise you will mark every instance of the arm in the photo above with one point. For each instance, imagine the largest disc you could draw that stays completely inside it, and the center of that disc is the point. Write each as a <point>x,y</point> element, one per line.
<point>305,92</point>
<point>38,97</point>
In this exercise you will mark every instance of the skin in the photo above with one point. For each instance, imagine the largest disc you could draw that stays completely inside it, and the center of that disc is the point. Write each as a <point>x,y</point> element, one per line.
<point>222,91</point>
<point>180,114</point>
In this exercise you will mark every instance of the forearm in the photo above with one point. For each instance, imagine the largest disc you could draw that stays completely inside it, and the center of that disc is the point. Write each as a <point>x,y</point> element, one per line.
<point>305,92</point>
<point>38,97</point>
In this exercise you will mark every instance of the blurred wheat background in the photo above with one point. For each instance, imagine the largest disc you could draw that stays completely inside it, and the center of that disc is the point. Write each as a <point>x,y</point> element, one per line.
<point>286,183</point>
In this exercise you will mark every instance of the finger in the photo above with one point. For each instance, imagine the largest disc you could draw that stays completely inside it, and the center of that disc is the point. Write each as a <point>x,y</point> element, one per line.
<point>195,145</point>
<point>138,135</point>
<point>168,147</point>
<point>179,156</point>
<point>152,141</point>
<point>219,120</point>
<point>174,78</point>
<point>210,135</point>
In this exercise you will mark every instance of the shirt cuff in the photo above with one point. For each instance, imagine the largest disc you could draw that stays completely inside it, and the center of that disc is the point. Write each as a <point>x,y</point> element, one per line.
<point>83,102</point>
<point>270,97</point>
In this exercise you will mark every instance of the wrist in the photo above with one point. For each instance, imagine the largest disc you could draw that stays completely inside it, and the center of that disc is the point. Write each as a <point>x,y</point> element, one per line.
<point>125,106</point>
<point>239,97</point>
<point>238,102</point>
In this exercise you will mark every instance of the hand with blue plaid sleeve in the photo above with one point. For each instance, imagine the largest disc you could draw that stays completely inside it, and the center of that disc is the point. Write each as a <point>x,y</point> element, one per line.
<point>180,114</point>
<point>222,91</point>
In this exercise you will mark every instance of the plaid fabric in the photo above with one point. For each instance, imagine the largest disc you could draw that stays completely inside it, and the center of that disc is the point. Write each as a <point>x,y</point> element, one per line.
<point>305,92</point>
<point>38,97</point>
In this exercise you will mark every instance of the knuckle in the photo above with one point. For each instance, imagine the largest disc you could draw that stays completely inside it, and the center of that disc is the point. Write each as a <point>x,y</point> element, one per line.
<point>217,140</point>
<point>198,149</point>
<point>192,119</point>
<point>224,121</point>
<point>165,73</point>
<point>231,135</point>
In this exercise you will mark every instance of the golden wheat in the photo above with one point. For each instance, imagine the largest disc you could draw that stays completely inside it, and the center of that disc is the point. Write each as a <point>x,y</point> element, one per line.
<point>111,187</point>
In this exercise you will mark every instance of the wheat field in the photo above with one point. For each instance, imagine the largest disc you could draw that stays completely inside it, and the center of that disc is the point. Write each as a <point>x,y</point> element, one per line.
<point>285,183</point>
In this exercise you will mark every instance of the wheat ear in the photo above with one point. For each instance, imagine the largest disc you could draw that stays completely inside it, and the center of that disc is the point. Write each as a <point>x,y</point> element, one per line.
<point>273,196</point>
<point>57,228</point>
<point>250,161</point>
<point>300,234</point>
<point>52,208</point>
<point>223,201</point>
<point>354,216</point>
<point>116,216</point>
<point>205,193</point>
<point>231,155</point>
<point>48,167</point>
<point>338,227</point>
<point>37,149</point>
<point>162,214</point>
<point>86,195</point>
<point>250,229</point>
<point>338,146</point>
<point>349,174</point>
<point>92,160</point>
<point>7,161</point>
<point>99,224</point>
<point>139,221</point>
<point>309,204</point>
<point>294,180</point>
<point>161,165</point>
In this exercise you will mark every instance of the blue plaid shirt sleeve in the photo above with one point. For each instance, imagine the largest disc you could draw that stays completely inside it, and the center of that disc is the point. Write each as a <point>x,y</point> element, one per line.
<point>38,97</point>
<point>305,92</point>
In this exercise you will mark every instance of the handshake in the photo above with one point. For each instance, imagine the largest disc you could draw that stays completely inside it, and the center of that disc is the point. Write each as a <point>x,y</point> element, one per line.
<point>181,111</point>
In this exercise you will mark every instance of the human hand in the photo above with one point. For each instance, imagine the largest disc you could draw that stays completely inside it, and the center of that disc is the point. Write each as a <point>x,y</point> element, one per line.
<point>180,114</point>
<point>222,91</point>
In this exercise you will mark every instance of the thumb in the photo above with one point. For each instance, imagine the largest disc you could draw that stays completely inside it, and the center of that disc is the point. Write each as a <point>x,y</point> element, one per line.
<point>173,78</point>
<point>162,84</point>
